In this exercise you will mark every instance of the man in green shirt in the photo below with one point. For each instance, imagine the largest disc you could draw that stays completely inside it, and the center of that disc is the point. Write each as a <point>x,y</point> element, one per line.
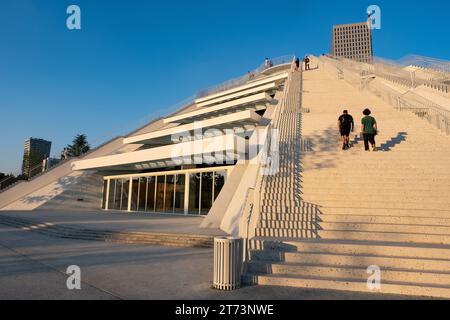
<point>369,130</point>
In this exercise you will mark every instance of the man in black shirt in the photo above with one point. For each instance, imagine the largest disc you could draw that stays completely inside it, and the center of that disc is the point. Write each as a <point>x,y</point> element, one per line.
<point>307,60</point>
<point>346,124</point>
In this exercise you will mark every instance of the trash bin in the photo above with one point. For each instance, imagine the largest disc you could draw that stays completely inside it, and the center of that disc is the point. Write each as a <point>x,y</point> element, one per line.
<point>227,263</point>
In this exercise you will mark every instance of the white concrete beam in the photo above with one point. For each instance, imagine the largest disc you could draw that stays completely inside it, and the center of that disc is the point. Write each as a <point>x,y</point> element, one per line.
<point>263,88</point>
<point>260,98</point>
<point>225,143</point>
<point>243,117</point>
<point>248,85</point>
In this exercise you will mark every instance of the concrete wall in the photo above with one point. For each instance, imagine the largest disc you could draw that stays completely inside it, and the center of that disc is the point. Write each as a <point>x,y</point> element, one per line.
<point>226,212</point>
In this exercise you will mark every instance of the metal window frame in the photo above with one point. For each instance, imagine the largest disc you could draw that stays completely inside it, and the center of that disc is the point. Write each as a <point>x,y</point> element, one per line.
<point>157,176</point>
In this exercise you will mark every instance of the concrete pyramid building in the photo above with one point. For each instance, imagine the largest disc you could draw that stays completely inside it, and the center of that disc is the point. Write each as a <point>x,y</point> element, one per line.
<point>260,158</point>
<point>198,161</point>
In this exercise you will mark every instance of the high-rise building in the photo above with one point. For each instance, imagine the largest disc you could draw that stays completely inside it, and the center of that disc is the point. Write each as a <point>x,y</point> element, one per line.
<point>35,151</point>
<point>353,41</point>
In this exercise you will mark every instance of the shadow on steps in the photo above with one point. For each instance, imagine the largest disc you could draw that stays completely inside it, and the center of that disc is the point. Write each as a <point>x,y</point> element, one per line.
<point>394,141</point>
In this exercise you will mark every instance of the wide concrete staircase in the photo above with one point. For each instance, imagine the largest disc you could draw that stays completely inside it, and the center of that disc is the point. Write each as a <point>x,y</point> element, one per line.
<point>357,209</point>
<point>282,190</point>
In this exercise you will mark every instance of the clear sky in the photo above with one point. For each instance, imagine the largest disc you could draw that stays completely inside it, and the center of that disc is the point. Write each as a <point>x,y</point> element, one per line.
<point>134,58</point>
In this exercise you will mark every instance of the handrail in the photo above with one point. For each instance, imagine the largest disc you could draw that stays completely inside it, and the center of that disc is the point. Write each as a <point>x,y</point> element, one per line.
<point>247,226</point>
<point>57,165</point>
<point>243,79</point>
<point>187,102</point>
<point>408,101</point>
<point>396,72</point>
<point>2,182</point>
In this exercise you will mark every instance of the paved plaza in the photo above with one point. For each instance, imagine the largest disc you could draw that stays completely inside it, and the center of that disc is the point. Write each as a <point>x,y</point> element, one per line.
<point>33,267</point>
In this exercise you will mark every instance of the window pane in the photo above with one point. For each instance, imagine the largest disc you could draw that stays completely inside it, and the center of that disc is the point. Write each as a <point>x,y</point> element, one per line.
<point>105,189</point>
<point>134,194</point>
<point>112,190</point>
<point>160,182</point>
<point>179,193</point>
<point>142,192</point>
<point>194,193</point>
<point>219,181</point>
<point>151,186</point>
<point>207,195</point>
<point>125,191</point>
<point>170,189</point>
<point>117,194</point>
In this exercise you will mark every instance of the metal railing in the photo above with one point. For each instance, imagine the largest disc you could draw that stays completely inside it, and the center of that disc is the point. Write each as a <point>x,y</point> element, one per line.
<point>189,101</point>
<point>411,102</point>
<point>56,165</point>
<point>230,84</point>
<point>398,72</point>
<point>408,101</point>
<point>7,181</point>
<point>426,62</point>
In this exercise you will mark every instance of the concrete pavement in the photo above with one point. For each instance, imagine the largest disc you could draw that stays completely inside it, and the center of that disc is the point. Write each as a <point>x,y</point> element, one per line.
<point>33,267</point>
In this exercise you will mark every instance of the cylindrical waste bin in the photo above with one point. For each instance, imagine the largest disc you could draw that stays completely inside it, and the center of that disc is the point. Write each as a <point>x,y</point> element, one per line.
<point>227,263</point>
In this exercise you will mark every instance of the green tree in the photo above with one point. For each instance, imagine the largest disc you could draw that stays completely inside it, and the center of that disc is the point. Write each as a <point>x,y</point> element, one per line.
<point>79,146</point>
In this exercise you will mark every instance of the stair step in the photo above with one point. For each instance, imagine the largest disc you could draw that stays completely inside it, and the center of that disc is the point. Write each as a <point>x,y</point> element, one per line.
<point>393,237</point>
<point>405,250</point>
<point>364,261</point>
<point>375,189</point>
<point>387,206</point>
<point>314,180</point>
<point>348,285</point>
<point>363,196</point>
<point>408,220</point>
<point>384,236</point>
<point>352,226</point>
<point>403,212</point>
<point>66,232</point>
<point>324,271</point>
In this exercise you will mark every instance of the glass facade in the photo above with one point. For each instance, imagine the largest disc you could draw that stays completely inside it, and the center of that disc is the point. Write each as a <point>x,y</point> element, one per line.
<point>105,192</point>
<point>142,194</point>
<point>151,194</point>
<point>180,185</point>
<point>134,194</point>
<point>160,184</point>
<point>169,197</point>
<point>206,193</point>
<point>219,182</point>
<point>118,194</point>
<point>194,193</point>
<point>182,193</point>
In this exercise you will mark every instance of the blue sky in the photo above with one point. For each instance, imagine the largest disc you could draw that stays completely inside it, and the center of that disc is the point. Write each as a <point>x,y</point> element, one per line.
<point>135,58</point>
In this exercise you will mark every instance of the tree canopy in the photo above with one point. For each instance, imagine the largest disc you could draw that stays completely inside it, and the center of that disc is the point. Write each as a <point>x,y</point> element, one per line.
<point>79,146</point>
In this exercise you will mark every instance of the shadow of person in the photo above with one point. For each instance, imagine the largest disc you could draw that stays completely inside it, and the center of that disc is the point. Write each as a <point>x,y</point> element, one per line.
<point>394,141</point>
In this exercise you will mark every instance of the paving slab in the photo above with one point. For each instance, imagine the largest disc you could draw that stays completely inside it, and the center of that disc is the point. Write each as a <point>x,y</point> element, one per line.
<point>33,267</point>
